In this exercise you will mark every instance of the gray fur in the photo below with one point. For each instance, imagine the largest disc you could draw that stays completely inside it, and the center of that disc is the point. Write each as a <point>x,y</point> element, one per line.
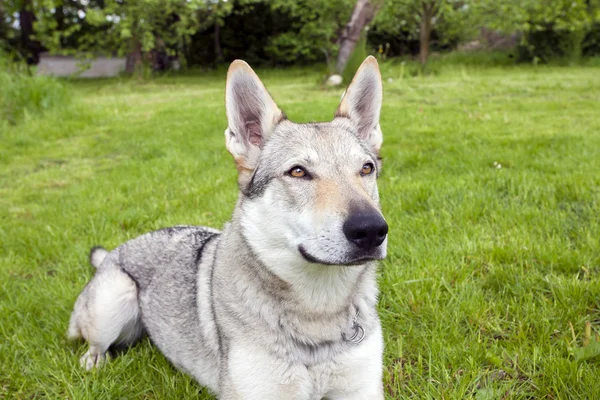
<point>243,311</point>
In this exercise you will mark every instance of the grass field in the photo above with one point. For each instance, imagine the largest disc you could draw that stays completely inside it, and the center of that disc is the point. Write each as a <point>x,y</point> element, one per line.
<point>491,188</point>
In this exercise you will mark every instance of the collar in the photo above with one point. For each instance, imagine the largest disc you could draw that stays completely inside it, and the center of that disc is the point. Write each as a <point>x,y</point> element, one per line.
<point>357,332</point>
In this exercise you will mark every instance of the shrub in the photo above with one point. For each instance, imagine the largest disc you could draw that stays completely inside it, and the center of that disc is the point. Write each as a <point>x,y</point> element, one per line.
<point>591,42</point>
<point>551,44</point>
<point>21,92</point>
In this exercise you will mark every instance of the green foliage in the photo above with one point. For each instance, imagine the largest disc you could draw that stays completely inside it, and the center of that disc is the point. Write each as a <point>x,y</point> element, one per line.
<point>551,45</point>
<point>531,15</point>
<point>117,27</point>
<point>23,93</point>
<point>591,42</point>
<point>9,19</point>
<point>453,20</point>
<point>8,33</point>
<point>312,33</point>
<point>276,32</point>
<point>554,30</point>
<point>113,26</point>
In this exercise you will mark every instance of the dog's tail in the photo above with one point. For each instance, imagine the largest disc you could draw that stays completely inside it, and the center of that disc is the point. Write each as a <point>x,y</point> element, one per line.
<point>97,255</point>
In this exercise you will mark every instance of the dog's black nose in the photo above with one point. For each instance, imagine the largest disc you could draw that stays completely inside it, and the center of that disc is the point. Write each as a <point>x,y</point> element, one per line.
<point>366,231</point>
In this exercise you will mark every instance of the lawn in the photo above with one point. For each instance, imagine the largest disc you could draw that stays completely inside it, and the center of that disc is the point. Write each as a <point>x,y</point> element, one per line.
<point>491,188</point>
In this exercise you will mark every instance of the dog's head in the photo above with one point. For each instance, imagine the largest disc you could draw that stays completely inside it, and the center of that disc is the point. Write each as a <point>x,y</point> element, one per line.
<point>308,191</point>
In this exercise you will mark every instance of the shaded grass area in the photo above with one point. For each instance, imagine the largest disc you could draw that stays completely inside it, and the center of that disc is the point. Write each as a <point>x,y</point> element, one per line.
<point>491,187</point>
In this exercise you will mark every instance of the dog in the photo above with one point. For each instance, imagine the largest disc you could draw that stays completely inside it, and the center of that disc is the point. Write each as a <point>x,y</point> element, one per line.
<point>282,303</point>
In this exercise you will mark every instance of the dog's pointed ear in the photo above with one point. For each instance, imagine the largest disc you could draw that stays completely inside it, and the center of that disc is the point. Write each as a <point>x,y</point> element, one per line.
<point>361,103</point>
<point>251,114</point>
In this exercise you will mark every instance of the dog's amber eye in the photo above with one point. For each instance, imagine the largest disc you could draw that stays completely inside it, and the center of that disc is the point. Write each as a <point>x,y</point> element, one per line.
<point>367,169</point>
<point>297,172</point>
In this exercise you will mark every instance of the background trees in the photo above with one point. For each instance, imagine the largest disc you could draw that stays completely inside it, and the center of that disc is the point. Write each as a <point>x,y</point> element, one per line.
<point>418,19</point>
<point>145,30</point>
<point>164,33</point>
<point>554,29</point>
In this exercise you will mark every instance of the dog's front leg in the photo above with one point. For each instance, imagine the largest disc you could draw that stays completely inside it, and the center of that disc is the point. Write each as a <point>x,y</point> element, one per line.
<point>254,373</point>
<point>358,374</point>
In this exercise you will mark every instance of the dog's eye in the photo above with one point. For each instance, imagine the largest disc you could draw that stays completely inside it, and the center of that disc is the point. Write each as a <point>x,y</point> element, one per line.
<point>297,172</point>
<point>367,169</point>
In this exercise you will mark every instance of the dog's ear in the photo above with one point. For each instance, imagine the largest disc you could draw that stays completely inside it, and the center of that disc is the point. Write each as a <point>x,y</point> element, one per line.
<point>362,103</point>
<point>251,113</point>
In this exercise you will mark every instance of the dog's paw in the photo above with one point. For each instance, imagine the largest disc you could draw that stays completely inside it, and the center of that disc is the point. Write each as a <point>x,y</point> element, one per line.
<point>90,361</point>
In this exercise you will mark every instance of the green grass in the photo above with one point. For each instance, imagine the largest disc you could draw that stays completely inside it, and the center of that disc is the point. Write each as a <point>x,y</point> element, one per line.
<point>23,93</point>
<point>492,273</point>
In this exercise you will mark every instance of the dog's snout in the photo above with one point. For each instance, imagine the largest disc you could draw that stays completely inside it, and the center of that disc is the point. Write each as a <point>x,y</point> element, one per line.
<point>366,231</point>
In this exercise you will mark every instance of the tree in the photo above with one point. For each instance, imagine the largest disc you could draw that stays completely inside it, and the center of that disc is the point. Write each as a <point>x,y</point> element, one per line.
<point>26,21</point>
<point>214,14</point>
<point>550,30</point>
<point>422,17</point>
<point>315,26</point>
<point>146,31</point>
<point>20,41</point>
<point>526,15</point>
<point>363,13</point>
<point>142,30</point>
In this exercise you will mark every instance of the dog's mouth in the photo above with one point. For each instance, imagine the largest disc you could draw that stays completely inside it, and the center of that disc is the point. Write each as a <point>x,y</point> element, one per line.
<point>351,261</point>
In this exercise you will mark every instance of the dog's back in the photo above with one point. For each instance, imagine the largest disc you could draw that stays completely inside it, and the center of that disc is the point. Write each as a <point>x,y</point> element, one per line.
<point>156,253</point>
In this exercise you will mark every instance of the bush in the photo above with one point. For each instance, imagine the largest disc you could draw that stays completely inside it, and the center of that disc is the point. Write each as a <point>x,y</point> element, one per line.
<point>398,44</point>
<point>282,32</point>
<point>21,92</point>
<point>591,42</point>
<point>551,44</point>
<point>482,58</point>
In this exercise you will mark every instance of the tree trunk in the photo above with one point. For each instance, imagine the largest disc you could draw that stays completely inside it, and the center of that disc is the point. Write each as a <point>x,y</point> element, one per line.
<point>218,50</point>
<point>363,14</point>
<point>134,59</point>
<point>425,32</point>
<point>31,47</point>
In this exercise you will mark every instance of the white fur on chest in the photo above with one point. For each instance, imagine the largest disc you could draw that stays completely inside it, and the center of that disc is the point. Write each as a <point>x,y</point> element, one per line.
<point>254,373</point>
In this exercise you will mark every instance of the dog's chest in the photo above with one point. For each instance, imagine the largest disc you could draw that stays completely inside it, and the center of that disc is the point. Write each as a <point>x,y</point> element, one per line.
<point>345,371</point>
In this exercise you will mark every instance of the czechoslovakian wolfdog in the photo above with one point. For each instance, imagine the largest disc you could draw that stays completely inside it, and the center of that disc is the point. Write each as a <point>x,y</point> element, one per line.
<point>282,303</point>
